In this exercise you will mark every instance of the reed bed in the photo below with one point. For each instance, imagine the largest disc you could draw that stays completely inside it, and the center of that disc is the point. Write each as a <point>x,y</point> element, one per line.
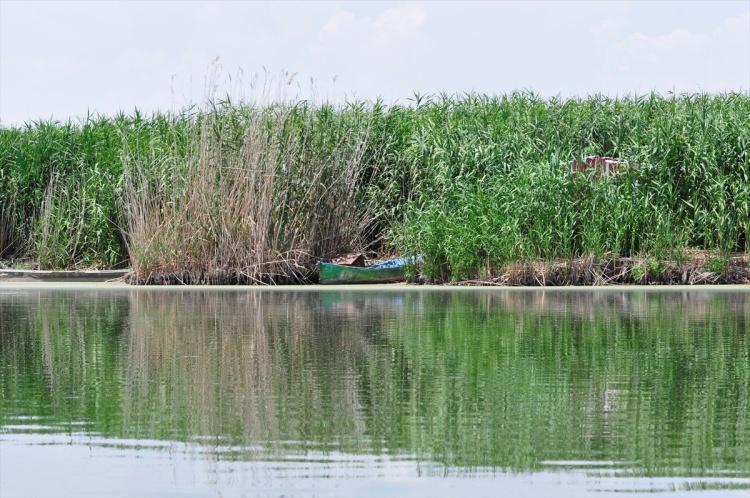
<point>263,208</point>
<point>474,183</point>
<point>575,229</point>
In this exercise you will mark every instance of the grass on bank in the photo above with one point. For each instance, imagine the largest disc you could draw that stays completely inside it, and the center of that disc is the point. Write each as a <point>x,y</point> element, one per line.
<point>541,212</point>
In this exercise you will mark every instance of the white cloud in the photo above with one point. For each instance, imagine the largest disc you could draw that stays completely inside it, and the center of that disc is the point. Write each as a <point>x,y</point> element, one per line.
<point>687,59</point>
<point>608,27</point>
<point>367,49</point>
<point>403,21</point>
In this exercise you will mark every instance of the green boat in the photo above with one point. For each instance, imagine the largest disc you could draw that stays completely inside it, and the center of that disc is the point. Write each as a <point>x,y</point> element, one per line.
<point>388,271</point>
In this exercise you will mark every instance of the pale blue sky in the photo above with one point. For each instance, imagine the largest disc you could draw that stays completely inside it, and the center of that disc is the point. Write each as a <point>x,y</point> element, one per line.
<point>61,59</point>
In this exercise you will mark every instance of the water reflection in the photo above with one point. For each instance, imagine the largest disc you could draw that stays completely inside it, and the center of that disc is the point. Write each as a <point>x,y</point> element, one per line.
<point>629,383</point>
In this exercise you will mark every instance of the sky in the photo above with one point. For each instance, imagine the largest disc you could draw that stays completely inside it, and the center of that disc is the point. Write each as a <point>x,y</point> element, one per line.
<point>64,59</point>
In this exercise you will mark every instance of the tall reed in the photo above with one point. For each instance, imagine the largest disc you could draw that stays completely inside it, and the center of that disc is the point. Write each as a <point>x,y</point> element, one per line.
<point>7,226</point>
<point>261,208</point>
<point>439,154</point>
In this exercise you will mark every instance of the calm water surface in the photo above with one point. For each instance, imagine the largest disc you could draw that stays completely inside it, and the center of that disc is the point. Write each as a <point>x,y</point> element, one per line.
<point>174,393</point>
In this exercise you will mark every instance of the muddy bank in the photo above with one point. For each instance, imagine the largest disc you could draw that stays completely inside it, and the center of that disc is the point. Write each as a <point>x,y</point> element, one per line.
<point>582,272</point>
<point>699,270</point>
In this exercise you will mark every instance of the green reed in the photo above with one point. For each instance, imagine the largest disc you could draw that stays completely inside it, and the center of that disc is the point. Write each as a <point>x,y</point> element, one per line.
<point>431,172</point>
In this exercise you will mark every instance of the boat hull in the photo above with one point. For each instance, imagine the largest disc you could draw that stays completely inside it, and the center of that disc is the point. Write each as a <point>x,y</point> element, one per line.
<point>331,273</point>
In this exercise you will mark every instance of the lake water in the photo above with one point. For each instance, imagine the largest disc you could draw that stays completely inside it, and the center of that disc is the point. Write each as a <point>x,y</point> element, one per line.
<point>398,392</point>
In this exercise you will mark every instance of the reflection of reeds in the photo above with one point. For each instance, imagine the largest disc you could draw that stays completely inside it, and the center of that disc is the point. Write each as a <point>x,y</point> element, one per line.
<point>259,366</point>
<point>588,304</point>
<point>554,374</point>
<point>467,378</point>
<point>60,346</point>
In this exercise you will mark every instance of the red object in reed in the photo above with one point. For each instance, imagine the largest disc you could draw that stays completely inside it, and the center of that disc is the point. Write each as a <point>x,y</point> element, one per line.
<point>601,165</point>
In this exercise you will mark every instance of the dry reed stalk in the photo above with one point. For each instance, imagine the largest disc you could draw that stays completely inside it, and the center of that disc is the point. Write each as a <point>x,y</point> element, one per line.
<point>263,213</point>
<point>7,227</point>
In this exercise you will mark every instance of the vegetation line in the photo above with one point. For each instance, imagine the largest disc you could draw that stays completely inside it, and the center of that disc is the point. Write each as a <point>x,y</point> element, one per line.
<point>479,185</point>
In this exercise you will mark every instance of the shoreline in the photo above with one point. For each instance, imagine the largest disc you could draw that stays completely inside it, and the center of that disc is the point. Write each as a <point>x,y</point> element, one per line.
<point>585,272</point>
<point>577,274</point>
<point>8,285</point>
